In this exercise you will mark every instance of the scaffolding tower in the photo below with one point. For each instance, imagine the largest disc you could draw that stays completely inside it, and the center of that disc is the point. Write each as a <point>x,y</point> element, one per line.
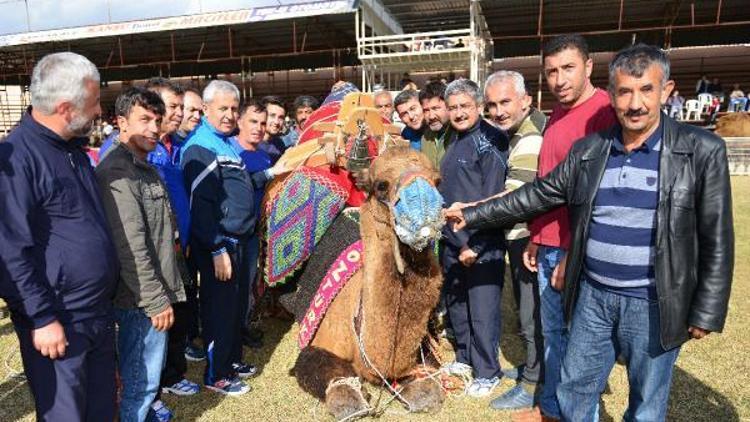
<point>385,58</point>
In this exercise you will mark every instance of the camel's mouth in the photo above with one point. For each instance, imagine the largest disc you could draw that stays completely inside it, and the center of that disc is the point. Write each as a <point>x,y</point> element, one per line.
<point>418,214</point>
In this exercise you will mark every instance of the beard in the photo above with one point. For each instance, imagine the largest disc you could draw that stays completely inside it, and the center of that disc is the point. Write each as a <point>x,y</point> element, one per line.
<point>80,126</point>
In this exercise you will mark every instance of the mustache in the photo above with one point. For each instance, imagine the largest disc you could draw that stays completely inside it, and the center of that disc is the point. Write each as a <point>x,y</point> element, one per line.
<point>636,113</point>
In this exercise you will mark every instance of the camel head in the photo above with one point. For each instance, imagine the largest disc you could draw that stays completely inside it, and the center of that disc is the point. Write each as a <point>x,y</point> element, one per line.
<point>405,181</point>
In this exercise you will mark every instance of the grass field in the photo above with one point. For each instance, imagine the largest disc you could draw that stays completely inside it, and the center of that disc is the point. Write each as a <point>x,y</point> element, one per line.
<point>711,380</point>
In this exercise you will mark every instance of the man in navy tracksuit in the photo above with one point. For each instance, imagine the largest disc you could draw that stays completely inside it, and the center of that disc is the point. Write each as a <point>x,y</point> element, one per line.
<point>58,264</point>
<point>473,168</point>
<point>222,221</point>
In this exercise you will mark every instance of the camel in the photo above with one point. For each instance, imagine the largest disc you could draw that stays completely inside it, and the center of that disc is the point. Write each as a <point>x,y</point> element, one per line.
<point>387,304</point>
<point>733,125</point>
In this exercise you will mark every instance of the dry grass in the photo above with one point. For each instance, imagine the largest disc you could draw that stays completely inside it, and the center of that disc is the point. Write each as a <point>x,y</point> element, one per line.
<point>711,380</point>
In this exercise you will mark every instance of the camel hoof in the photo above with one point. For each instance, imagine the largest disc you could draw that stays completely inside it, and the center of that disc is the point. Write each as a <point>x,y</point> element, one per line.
<point>423,395</point>
<point>345,399</point>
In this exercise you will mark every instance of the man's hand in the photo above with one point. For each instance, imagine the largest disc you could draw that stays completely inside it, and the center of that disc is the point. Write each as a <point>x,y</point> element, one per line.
<point>460,205</point>
<point>223,267</point>
<point>455,216</point>
<point>50,340</point>
<point>467,257</point>
<point>529,256</point>
<point>558,275</point>
<point>163,320</point>
<point>697,333</point>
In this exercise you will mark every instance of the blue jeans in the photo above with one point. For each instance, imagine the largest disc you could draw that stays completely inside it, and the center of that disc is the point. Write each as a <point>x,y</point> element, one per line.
<point>606,325</point>
<point>141,355</point>
<point>554,331</point>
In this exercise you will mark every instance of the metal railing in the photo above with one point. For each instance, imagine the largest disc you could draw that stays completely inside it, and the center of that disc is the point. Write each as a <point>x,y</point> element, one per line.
<point>738,155</point>
<point>452,41</point>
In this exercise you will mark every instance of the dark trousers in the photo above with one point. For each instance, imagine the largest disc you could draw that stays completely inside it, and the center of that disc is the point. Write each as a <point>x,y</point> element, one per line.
<point>526,293</point>
<point>175,365</point>
<point>223,307</point>
<point>79,386</point>
<point>473,300</point>
<point>191,299</point>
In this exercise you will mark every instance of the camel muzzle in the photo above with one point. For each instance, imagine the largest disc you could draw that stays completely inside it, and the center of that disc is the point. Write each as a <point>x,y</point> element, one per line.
<point>417,213</point>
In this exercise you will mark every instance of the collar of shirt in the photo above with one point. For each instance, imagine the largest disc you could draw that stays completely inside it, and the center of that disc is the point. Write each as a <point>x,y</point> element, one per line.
<point>49,135</point>
<point>651,144</point>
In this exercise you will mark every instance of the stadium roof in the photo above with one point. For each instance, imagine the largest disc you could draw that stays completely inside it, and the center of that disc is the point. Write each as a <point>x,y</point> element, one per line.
<point>204,37</point>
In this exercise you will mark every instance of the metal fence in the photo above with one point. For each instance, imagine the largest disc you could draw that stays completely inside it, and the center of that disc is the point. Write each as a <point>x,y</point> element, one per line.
<point>738,153</point>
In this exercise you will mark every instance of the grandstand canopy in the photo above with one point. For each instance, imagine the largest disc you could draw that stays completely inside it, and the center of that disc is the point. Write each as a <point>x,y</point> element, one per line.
<point>134,40</point>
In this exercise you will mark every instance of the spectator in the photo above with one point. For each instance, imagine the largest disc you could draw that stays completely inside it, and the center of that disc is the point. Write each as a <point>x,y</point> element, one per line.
<point>437,135</point>
<point>191,116</point>
<point>52,221</point>
<point>252,125</point>
<point>474,167</point>
<point>273,143</point>
<point>384,103</point>
<point>624,299</point>
<point>410,112</point>
<point>581,110</point>
<point>405,80</point>
<point>702,86</point>
<point>715,89</point>
<point>223,219</point>
<point>737,98</point>
<point>137,207</point>
<point>303,107</point>
<point>510,109</point>
<point>674,104</point>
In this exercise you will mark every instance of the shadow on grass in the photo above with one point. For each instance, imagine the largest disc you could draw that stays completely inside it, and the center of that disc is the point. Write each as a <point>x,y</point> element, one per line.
<point>691,399</point>
<point>274,331</point>
<point>15,399</point>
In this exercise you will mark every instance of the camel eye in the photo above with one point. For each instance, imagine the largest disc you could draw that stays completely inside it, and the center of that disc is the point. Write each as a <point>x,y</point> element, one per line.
<point>381,186</point>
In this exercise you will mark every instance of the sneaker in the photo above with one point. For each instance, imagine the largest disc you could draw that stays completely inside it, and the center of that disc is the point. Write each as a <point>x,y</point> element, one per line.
<point>513,373</point>
<point>161,412</point>
<point>482,387</point>
<point>182,388</point>
<point>513,399</point>
<point>194,353</point>
<point>230,387</point>
<point>244,370</point>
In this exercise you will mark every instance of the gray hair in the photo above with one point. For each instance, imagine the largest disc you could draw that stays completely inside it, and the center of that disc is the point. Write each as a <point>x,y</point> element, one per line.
<point>634,60</point>
<point>504,75</point>
<point>61,77</point>
<point>220,86</point>
<point>464,86</point>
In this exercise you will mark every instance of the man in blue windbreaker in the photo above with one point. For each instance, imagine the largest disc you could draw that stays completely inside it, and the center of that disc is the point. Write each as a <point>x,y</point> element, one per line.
<point>222,222</point>
<point>58,265</point>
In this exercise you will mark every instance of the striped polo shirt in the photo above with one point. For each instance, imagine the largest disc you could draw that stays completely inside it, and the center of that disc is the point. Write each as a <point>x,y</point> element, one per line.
<point>622,243</point>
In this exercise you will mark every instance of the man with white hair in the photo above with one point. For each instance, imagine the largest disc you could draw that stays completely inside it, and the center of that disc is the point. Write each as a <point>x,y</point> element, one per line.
<point>510,109</point>
<point>52,222</point>
<point>473,168</point>
<point>223,219</point>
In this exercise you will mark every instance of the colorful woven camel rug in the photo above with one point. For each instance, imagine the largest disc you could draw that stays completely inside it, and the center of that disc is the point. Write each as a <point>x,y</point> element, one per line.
<point>346,264</point>
<point>304,208</point>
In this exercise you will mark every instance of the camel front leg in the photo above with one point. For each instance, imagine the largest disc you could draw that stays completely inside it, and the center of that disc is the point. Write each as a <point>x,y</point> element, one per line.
<point>333,381</point>
<point>422,394</point>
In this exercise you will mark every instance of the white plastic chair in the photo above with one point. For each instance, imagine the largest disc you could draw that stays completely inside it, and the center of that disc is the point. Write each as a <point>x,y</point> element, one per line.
<point>693,108</point>
<point>705,101</point>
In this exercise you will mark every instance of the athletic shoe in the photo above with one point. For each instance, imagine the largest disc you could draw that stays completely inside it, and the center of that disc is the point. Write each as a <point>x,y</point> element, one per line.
<point>194,353</point>
<point>244,370</point>
<point>161,412</point>
<point>515,398</point>
<point>182,388</point>
<point>482,387</point>
<point>229,387</point>
<point>459,369</point>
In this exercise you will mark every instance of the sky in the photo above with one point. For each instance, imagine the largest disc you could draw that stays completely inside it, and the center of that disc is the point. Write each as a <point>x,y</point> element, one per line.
<point>56,14</point>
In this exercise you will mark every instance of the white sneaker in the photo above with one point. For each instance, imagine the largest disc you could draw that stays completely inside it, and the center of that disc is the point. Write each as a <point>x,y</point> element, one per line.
<point>482,387</point>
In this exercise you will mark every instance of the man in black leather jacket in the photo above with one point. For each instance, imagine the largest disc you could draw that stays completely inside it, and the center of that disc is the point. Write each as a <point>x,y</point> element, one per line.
<point>656,295</point>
